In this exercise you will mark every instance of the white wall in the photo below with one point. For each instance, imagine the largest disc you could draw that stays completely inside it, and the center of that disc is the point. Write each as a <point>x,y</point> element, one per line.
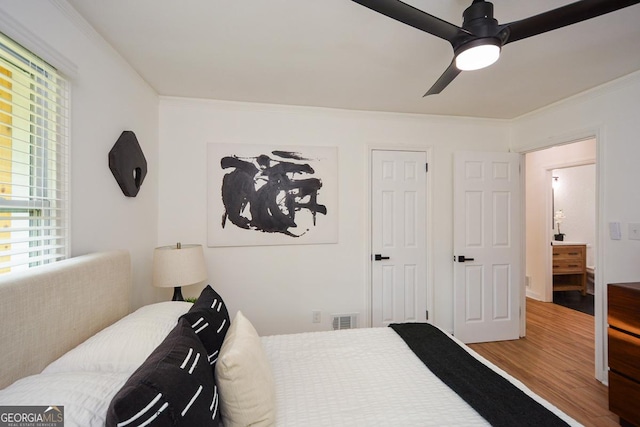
<point>107,97</point>
<point>539,165</point>
<point>611,114</point>
<point>277,287</point>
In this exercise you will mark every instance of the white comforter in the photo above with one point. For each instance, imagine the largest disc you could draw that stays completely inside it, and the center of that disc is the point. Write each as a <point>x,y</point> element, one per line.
<point>364,377</point>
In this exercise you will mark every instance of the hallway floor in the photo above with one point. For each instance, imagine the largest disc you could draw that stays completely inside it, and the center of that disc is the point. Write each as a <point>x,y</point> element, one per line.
<point>574,300</point>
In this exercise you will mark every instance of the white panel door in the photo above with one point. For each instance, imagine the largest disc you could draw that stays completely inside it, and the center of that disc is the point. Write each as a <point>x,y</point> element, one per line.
<point>487,248</point>
<point>399,286</point>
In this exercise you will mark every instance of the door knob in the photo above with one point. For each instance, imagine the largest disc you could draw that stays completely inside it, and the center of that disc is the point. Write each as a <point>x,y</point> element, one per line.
<point>462,258</point>
<point>379,257</point>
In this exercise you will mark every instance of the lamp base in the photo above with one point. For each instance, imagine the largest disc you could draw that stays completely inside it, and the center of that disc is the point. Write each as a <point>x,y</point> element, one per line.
<point>177,294</point>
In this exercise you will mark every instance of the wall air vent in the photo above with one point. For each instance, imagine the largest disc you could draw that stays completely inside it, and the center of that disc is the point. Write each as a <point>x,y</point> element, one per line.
<point>344,321</point>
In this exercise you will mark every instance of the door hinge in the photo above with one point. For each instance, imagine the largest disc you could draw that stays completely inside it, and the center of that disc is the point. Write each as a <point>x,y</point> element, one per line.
<point>426,315</point>
<point>426,167</point>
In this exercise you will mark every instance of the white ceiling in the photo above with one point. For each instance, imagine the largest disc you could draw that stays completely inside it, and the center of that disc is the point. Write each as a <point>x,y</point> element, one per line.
<point>337,53</point>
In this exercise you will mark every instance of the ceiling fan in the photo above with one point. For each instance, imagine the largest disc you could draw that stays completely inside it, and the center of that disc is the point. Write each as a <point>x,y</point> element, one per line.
<point>478,42</point>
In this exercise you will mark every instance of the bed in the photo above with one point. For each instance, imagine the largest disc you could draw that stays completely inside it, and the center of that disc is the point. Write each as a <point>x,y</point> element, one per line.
<point>69,341</point>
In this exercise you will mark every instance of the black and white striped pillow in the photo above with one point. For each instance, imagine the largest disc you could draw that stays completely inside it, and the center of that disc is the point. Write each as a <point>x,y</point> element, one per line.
<point>210,320</point>
<point>173,387</point>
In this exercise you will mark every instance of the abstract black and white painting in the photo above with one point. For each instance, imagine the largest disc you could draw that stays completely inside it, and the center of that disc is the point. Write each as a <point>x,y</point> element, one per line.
<point>266,195</point>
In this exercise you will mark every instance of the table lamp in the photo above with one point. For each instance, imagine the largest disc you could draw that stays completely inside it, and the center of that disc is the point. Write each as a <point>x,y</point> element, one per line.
<point>177,266</point>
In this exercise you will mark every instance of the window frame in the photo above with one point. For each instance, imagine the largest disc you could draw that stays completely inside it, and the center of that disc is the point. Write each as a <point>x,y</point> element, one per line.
<point>43,95</point>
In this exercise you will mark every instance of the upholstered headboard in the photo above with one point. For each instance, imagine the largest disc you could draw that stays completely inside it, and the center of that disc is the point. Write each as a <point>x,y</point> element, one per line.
<point>47,310</point>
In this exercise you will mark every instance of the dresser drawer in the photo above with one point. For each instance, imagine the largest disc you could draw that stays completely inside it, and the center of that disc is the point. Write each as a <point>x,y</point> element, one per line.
<point>568,252</point>
<point>568,266</point>
<point>624,396</point>
<point>624,306</point>
<point>569,259</point>
<point>624,353</point>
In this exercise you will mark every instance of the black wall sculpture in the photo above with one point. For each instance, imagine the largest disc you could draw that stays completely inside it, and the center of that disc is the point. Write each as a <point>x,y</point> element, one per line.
<point>128,164</point>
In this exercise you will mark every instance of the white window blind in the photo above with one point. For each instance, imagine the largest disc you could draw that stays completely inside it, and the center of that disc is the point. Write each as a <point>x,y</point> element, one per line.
<point>34,208</point>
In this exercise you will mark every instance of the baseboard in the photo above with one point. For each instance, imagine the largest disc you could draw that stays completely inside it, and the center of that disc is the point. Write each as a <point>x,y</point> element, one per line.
<point>534,295</point>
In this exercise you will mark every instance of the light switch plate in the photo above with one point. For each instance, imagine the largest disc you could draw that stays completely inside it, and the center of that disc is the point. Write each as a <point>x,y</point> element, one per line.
<point>634,231</point>
<point>614,231</point>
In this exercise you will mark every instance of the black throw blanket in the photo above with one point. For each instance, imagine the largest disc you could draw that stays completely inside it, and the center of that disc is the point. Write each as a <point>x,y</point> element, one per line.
<point>492,396</point>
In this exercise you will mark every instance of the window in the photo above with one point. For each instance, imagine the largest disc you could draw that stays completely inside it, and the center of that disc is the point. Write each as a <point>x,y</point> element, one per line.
<point>34,212</point>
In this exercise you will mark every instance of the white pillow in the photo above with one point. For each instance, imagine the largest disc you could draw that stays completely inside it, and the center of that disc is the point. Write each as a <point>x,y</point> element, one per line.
<point>84,395</point>
<point>245,382</point>
<point>123,346</point>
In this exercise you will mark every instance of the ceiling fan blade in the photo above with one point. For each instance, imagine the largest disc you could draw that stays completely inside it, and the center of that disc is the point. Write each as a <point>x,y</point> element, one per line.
<point>447,77</point>
<point>561,17</point>
<point>416,18</point>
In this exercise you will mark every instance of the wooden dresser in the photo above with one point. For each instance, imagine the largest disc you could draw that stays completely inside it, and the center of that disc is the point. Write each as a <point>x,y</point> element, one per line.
<point>624,351</point>
<point>570,268</point>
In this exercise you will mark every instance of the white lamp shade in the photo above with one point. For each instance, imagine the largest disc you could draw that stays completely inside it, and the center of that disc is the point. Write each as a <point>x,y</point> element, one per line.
<point>174,267</point>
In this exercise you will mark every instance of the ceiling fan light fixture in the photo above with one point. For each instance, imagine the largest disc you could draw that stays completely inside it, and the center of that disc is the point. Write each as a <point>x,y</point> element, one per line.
<point>478,54</point>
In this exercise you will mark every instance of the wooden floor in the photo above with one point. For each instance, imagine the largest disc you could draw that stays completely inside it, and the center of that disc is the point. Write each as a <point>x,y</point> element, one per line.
<point>556,360</point>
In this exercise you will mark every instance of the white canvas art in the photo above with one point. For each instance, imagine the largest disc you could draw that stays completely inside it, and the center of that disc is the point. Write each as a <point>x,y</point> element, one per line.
<point>271,195</point>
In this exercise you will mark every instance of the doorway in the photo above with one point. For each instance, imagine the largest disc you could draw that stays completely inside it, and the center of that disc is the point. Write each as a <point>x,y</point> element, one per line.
<point>569,163</point>
<point>540,225</point>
